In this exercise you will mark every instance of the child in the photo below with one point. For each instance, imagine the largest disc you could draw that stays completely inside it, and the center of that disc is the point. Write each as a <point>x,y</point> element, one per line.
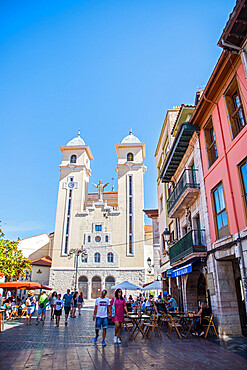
<point>58,308</point>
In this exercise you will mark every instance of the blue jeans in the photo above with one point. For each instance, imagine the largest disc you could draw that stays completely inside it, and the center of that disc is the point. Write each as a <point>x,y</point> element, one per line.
<point>101,322</point>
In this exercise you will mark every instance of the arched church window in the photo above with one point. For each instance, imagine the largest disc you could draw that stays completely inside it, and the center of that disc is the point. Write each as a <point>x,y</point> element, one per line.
<point>110,257</point>
<point>97,257</point>
<point>89,239</point>
<point>106,238</point>
<point>73,158</point>
<point>130,157</point>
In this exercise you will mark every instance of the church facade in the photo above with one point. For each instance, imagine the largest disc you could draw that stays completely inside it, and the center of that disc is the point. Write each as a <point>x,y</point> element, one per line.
<point>108,225</point>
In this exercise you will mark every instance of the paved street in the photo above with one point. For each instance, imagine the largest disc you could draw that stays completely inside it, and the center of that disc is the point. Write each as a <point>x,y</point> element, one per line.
<point>49,347</point>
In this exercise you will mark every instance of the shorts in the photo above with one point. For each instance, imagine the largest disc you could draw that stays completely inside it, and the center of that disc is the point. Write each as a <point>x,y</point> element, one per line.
<point>75,305</point>
<point>41,310</point>
<point>58,312</point>
<point>30,310</point>
<point>66,310</point>
<point>101,322</point>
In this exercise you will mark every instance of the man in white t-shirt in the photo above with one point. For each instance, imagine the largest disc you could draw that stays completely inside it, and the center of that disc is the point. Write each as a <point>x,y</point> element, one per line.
<point>101,314</point>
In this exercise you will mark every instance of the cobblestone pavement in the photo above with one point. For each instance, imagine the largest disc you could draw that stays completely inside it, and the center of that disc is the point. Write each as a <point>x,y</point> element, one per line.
<point>49,347</point>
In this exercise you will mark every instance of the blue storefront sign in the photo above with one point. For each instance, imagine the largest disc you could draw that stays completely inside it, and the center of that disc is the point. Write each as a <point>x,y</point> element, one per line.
<point>169,273</point>
<point>182,270</point>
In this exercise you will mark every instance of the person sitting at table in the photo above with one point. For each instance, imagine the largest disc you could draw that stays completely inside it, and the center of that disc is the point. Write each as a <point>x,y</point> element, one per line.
<point>7,307</point>
<point>143,306</point>
<point>200,321</point>
<point>133,306</point>
<point>160,297</point>
<point>130,299</point>
<point>171,304</point>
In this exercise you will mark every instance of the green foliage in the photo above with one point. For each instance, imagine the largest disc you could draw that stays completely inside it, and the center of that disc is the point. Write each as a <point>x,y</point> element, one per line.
<point>12,263</point>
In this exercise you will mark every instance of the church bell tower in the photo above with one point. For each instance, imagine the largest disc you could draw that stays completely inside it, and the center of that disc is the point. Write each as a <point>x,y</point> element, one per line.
<point>131,168</point>
<point>72,194</point>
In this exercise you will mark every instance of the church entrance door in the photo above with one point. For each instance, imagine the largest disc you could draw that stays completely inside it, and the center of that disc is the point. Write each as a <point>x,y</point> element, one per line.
<point>96,287</point>
<point>83,286</point>
<point>109,282</point>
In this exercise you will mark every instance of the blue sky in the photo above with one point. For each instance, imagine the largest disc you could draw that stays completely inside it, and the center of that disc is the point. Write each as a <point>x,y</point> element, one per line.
<point>103,67</point>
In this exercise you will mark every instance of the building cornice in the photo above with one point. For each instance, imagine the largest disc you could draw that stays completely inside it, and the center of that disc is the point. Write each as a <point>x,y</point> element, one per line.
<point>131,165</point>
<point>133,145</point>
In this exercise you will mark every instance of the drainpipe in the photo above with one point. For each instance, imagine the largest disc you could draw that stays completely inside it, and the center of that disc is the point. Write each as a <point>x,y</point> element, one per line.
<point>239,251</point>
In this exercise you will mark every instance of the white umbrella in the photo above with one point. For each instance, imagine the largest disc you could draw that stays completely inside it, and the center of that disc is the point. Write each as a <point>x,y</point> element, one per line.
<point>126,285</point>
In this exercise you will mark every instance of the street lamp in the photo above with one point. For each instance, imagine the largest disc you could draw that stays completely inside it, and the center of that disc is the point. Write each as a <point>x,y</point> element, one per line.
<point>149,264</point>
<point>166,235</point>
<point>76,253</point>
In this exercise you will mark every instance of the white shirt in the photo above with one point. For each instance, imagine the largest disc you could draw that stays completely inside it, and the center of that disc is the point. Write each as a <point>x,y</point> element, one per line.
<point>102,307</point>
<point>59,304</point>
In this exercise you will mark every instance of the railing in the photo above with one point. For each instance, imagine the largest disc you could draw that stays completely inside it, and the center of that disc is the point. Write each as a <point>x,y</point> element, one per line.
<point>191,242</point>
<point>187,180</point>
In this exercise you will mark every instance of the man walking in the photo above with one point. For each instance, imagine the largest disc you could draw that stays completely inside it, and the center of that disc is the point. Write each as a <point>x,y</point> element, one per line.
<point>68,302</point>
<point>43,300</point>
<point>101,314</point>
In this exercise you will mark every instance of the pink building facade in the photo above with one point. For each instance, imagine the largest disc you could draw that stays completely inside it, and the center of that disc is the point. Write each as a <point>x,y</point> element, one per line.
<point>221,115</point>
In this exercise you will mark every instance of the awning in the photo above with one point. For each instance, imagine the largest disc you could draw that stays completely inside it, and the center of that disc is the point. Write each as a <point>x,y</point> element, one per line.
<point>179,147</point>
<point>182,270</point>
<point>23,285</point>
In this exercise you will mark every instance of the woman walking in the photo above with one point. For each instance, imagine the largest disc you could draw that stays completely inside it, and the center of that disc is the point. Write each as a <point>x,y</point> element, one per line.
<point>58,308</point>
<point>52,300</point>
<point>30,304</point>
<point>75,305</point>
<point>120,307</point>
<point>80,301</point>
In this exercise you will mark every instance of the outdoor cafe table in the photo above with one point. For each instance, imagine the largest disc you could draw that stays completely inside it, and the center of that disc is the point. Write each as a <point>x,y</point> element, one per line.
<point>187,321</point>
<point>138,323</point>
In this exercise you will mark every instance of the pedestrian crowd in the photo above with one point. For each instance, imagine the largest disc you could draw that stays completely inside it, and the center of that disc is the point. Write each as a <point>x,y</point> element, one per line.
<point>105,309</point>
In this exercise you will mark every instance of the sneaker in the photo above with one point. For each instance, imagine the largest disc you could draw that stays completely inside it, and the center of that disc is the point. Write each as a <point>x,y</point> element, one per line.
<point>202,333</point>
<point>37,323</point>
<point>119,340</point>
<point>43,323</point>
<point>115,339</point>
<point>95,339</point>
<point>66,323</point>
<point>103,343</point>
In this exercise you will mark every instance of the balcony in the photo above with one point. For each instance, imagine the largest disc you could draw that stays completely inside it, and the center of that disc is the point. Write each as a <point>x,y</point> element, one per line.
<point>184,193</point>
<point>190,246</point>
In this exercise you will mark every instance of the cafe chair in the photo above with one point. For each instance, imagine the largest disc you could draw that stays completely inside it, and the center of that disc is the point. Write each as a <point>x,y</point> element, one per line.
<point>152,327</point>
<point>209,324</point>
<point>14,313</point>
<point>23,312</point>
<point>173,324</point>
<point>128,326</point>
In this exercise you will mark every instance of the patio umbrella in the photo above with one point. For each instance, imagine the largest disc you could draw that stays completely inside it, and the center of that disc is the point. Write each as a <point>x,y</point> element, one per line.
<point>155,285</point>
<point>23,285</point>
<point>126,285</point>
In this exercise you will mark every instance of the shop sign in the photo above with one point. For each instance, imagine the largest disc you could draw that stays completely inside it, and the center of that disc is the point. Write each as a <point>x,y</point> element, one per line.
<point>182,270</point>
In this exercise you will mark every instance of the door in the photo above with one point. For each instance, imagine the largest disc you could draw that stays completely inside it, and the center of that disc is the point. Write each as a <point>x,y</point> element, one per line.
<point>109,282</point>
<point>96,287</point>
<point>83,286</point>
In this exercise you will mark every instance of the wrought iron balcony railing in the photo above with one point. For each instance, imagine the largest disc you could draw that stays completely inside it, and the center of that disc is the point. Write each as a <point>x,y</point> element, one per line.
<point>186,181</point>
<point>191,242</point>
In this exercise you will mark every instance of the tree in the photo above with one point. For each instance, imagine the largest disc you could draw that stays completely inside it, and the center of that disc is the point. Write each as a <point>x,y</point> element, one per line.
<point>12,263</point>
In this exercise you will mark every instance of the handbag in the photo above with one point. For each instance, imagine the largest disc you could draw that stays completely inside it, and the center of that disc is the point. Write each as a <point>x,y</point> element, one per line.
<point>113,308</point>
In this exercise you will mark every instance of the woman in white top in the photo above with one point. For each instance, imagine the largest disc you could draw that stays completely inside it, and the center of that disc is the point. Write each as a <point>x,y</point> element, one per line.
<point>52,300</point>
